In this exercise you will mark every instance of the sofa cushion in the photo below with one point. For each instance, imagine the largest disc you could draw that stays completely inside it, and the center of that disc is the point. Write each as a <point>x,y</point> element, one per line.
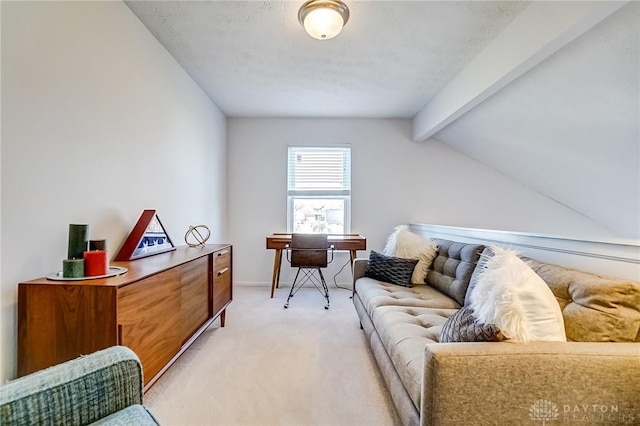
<point>595,308</point>
<point>374,293</point>
<point>406,244</point>
<point>464,327</point>
<point>394,270</point>
<point>453,266</point>
<point>404,332</point>
<point>509,294</point>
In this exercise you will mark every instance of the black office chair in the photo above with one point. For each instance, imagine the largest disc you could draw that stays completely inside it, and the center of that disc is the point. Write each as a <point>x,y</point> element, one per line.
<point>309,253</point>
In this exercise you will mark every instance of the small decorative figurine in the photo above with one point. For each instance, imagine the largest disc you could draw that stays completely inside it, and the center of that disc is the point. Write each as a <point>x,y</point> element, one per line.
<point>194,237</point>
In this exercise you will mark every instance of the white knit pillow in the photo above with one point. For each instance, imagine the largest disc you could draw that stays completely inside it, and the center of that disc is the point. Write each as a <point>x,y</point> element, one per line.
<point>404,243</point>
<point>509,294</point>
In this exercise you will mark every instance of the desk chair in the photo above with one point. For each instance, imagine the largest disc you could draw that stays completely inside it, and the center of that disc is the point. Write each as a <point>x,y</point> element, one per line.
<point>309,253</point>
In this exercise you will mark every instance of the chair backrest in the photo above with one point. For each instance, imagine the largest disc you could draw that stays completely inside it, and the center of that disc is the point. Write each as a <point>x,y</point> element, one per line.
<point>309,250</point>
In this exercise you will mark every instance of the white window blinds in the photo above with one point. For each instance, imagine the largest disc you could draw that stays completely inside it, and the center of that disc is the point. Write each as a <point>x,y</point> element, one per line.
<point>319,171</point>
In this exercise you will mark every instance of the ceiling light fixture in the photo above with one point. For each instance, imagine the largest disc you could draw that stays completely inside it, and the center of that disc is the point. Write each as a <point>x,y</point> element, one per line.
<point>323,19</point>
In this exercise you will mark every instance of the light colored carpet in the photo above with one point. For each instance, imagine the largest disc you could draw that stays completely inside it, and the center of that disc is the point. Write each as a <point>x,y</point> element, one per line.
<point>273,366</point>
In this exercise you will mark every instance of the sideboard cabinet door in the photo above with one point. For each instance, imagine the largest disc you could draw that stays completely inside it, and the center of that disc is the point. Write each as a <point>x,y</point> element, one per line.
<point>149,314</point>
<point>195,294</point>
<point>56,323</point>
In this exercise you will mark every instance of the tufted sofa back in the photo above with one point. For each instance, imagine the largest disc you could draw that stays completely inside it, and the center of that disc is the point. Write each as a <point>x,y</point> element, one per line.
<point>595,308</point>
<point>453,266</point>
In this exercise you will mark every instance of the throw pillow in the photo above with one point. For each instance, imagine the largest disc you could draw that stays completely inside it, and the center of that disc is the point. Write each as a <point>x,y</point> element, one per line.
<point>390,269</point>
<point>484,256</point>
<point>509,294</point>
<point>404,243</point>
<point>464,327</point>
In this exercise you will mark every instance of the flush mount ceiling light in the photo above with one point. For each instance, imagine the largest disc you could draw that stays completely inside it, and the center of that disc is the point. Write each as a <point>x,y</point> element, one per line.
<point>323,19</point>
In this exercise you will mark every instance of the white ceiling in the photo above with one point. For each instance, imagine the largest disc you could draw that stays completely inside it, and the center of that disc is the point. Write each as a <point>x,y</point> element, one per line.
<point>254,59</point>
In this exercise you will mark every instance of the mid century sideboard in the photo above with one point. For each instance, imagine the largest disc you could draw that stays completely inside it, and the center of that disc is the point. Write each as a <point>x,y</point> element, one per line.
<point>157,308</point>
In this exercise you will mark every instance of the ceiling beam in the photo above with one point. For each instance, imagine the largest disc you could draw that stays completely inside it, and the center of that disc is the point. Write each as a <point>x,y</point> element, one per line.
<point>535,34</point>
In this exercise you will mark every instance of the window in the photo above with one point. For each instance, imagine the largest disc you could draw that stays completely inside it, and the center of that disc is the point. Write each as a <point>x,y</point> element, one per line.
<point>319,189</point>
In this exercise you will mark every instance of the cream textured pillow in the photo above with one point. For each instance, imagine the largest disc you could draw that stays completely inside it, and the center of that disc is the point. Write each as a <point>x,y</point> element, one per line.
<point>509,294</point>
<point>404,243</point>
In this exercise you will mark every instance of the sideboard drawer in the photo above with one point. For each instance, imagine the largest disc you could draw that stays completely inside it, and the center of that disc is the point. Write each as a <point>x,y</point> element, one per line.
<point>222,288</point>
<point>222,259</point>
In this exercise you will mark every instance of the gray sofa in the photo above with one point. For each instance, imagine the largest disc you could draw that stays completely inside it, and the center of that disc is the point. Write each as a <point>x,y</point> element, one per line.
<point>593,378</point>
<point>103,388</point>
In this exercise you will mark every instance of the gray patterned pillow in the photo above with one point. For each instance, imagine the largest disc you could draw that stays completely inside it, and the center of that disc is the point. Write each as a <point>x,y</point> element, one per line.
<point>394,270</point>
<point>464,327</point>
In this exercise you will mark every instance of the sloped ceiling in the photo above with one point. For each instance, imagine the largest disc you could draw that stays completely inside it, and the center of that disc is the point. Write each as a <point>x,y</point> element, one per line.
<point>569,128</point>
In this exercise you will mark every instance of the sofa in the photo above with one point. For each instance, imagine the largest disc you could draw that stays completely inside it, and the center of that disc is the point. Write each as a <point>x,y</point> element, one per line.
<point>591,378</point>
<point>103,388</point>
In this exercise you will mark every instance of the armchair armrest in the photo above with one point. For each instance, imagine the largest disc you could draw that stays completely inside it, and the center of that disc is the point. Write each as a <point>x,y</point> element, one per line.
<point>504,383</point>
<point>77,392</point>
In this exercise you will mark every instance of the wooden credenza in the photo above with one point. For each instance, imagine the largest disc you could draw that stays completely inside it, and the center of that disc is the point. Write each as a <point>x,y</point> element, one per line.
<point>158,308</point>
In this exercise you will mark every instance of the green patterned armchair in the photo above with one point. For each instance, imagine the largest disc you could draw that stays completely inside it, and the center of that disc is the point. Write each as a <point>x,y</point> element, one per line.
<point>103,388</point>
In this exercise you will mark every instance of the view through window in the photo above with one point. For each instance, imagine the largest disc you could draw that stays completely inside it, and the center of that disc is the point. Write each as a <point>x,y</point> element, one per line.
<point>319,189</point>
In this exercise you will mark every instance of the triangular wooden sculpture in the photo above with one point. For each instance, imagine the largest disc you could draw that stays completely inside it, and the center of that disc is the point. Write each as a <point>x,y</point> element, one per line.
<point>147,238</point>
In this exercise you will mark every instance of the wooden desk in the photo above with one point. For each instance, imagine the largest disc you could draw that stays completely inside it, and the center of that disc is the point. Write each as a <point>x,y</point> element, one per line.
<point>278,242</point>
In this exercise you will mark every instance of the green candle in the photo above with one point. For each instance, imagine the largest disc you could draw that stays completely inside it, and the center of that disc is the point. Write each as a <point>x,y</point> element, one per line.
<point>73,268</point>
<point>78,240</point>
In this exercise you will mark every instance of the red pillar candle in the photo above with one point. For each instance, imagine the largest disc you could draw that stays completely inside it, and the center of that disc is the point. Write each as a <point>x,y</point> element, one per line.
<point>95,263</point>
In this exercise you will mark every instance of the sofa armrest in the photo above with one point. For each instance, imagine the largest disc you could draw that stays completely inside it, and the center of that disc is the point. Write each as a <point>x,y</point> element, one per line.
<point>359,268</point>
<point>505,383</point>
<point>77,392</point>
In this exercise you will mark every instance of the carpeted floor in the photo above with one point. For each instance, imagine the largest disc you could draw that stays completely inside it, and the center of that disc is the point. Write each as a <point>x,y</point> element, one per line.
<point>273,366</point>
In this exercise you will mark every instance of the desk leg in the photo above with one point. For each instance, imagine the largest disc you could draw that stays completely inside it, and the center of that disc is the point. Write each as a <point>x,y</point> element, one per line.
<point>279,269</point>
<point>275,279</point>
<point>353,254</point>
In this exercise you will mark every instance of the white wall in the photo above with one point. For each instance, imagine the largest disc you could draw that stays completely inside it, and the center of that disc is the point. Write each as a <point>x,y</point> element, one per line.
<point>394,181</point>
<point>98,123</point>
<point>614,257</point>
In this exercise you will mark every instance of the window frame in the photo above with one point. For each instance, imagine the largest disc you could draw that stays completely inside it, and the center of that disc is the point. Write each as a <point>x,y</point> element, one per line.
<point>324,194</point>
